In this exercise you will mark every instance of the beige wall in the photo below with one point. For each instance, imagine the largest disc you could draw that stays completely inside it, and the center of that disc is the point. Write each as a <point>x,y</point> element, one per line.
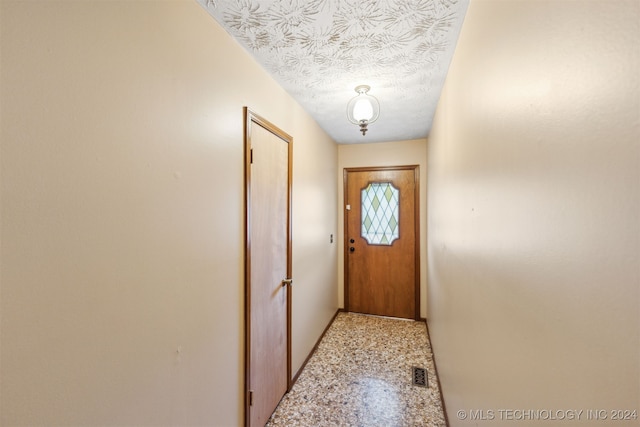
<point>534,207</point>
<point>122,214</point>
<point>412,152</point>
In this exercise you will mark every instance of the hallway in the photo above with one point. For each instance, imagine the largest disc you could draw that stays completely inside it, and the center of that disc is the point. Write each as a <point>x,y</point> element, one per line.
<point>361,375</point>
<point>123,228</point>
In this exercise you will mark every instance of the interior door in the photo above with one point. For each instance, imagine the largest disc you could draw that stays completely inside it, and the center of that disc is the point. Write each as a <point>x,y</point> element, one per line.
<point>268,267</point>
<point>381,241</point>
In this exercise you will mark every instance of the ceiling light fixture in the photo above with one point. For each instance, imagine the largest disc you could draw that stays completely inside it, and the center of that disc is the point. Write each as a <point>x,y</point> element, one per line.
<point>363,109</point>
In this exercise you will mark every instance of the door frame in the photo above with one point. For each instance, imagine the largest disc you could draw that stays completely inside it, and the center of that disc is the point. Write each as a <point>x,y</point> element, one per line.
<point>345,238</point>
<point>250,119</point>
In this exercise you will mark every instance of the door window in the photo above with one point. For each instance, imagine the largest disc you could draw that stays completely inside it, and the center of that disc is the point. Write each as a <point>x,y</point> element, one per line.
<point>380,213</point>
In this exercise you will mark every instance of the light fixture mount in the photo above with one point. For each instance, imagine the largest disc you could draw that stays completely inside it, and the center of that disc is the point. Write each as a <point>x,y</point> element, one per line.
<point>363,109</point>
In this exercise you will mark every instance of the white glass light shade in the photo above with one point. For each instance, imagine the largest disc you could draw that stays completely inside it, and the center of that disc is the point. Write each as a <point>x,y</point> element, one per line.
<point>364,108</point>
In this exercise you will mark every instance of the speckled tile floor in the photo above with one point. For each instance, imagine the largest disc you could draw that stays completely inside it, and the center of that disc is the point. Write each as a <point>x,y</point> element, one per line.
<point>361,375</point>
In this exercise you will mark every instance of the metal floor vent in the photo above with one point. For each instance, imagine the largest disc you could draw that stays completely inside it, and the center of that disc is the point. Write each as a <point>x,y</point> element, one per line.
<point>419,377</point>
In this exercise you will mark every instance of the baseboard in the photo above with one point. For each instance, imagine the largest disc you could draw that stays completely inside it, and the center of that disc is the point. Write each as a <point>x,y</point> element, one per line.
<point>435,367</point>
<point>315,347</point>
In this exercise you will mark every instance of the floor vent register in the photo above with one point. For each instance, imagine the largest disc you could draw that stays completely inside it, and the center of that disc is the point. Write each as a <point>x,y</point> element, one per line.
<point>419,377</point>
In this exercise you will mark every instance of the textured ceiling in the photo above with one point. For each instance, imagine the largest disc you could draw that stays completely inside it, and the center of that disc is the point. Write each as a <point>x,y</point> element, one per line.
<point>320,50</point>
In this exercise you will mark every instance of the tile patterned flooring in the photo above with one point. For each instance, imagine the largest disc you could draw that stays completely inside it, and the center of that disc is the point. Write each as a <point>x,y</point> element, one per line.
<point>361,375</point>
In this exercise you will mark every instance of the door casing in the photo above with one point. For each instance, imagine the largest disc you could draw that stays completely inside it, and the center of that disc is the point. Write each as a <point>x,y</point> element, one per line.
<point>253,119</point>
<point>416,195</point>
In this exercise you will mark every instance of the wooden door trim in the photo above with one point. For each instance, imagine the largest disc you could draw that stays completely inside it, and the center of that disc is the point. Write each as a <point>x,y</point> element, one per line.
<point>249,118</point>
<point>345,238</point>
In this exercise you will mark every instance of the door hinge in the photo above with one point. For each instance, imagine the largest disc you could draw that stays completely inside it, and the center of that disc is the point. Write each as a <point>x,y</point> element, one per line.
<point>251,156</point>
<point>250,397</point>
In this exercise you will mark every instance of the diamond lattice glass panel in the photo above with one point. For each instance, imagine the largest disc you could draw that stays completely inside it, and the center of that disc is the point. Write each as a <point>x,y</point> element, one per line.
<point>380,213</point>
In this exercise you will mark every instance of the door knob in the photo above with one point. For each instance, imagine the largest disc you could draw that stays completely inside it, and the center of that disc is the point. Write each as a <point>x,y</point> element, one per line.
<point>352,249</point>
<point>352,241</point>
<point>286,282</point>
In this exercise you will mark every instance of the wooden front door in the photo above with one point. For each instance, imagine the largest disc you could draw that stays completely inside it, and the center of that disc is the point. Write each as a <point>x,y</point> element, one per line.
<point>268,267</point>
<point>381,241</point>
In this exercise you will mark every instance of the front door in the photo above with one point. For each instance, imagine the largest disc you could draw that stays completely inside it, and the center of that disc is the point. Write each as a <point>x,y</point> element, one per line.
<point>268,267</point>
<point>381,241</point>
